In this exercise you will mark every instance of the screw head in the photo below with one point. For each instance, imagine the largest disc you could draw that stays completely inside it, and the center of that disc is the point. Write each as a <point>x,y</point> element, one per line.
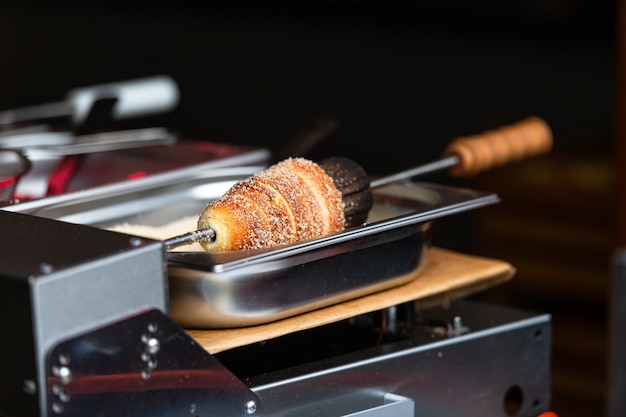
<point>250,407</point>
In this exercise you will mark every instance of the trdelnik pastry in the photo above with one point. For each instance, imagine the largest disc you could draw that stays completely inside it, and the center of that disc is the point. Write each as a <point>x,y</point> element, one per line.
<point>293,200</point>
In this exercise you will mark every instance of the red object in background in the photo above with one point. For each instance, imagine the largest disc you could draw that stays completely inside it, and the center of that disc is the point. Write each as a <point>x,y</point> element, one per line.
<point>548,414</point>
<point>63,174</point>
<point>118,166</point>
<point>76,172</point>
<point>136,175</point>
<point>7,182</point>
<point>7,185</point>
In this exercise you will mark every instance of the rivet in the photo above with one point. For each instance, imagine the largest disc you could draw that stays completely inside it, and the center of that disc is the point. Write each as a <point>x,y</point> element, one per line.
<point>29,386</point>
<point>64,396</point>
<point>152,364</point>
<point>152,345</point>
<point>65,375</point>
<point>250,407</point>
<point>57,407</point>
<point>46,268</point>
<point>64,359</point>
<point>153,327</point>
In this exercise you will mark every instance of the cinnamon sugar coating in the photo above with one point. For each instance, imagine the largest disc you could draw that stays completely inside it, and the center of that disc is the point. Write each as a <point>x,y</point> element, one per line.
<point>289,201</point>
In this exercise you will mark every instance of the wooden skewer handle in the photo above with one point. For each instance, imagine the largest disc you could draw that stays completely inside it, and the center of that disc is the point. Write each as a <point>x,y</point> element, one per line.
<point>529,137</point>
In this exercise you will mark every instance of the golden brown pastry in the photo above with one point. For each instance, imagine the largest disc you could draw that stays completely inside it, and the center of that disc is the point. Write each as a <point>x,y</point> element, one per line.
<point>290,201</point>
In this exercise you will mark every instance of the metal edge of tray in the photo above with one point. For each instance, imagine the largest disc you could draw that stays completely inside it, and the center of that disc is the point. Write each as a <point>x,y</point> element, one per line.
<point>243,164</point>
<point>453,200</point>
<point>270,291</point>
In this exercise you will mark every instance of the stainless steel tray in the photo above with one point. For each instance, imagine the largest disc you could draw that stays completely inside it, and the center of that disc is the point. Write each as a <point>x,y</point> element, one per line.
<point>249,288</point>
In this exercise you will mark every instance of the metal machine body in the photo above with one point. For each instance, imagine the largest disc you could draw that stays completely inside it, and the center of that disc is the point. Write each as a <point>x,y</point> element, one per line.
<point>59,280</point>
<point>87,333</point>
<point>464,359</point>
<point>144,365</point>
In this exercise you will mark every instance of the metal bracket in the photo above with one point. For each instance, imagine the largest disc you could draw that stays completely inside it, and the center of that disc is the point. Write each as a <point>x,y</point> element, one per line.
<point>145,365</point>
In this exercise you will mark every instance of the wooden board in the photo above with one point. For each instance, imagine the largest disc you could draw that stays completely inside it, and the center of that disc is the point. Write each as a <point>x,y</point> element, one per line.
<point>447,276</point>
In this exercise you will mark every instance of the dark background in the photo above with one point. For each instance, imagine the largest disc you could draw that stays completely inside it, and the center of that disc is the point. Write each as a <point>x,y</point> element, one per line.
<point>397,75</point>
<point>402,78</point>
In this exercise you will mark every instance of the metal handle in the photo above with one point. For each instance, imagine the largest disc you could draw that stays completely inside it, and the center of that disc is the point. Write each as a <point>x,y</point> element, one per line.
<point>135,97</point>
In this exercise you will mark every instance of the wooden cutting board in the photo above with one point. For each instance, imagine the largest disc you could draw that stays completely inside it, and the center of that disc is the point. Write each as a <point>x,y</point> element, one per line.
<point>447,276</point>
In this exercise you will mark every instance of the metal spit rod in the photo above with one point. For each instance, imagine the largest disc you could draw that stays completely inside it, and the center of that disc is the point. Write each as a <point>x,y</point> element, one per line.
<point>464,157</point>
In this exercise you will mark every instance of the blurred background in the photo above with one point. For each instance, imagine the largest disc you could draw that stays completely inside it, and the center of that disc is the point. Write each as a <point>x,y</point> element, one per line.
<point>401,79</point>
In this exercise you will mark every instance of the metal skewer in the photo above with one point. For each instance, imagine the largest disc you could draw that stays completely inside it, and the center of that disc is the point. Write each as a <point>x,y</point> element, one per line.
<point>189,238</point>
<point>429,168</point>
<point>209,234</point>
<point>464,156</point>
